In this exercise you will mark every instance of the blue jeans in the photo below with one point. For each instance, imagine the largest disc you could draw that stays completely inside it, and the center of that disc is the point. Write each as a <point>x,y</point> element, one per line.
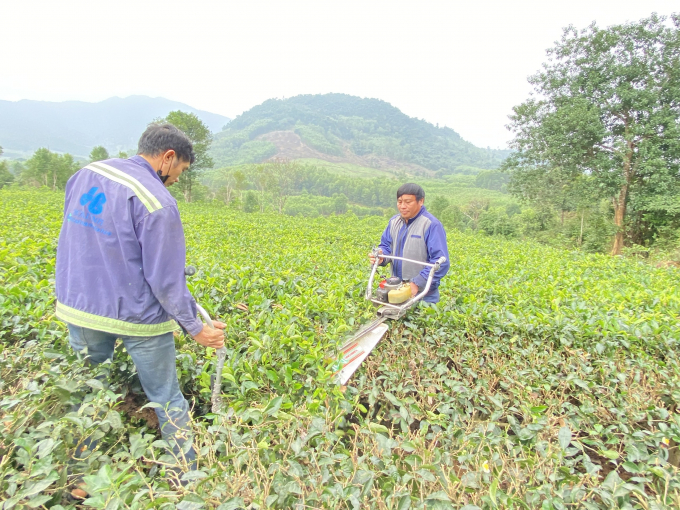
<point>154,357</point>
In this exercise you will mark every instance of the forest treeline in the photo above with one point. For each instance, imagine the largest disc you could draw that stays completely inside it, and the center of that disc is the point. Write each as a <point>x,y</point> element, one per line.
<point>47,169</point>
<point>288,187</point>
<point>466,203</point>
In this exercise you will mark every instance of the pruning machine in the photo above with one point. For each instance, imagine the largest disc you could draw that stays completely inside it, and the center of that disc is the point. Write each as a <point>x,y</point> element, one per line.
<point>216,378</point>
<point>393,298</point>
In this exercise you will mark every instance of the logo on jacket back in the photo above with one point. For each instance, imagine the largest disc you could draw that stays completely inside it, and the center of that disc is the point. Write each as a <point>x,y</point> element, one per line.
<point>95,201</point>
<point>88,216</point>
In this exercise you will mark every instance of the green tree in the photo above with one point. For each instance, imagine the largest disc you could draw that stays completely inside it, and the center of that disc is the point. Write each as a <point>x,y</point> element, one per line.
<point>607,106</point>
<point>250,203</point>
<point>284,180</point>
<point>340,203</point>
<point>492,179</point>
<point>495,221</point>
<point>240,182</point>
<point>224,187</point>
<point>17,168</point>
<point>6,177</point>
<point>453,218</point>
<point>38,168</point>
<point>201,137</point>
<point>226,184</point>
<point>437,206</point>
<point>553,190</point>
<point>46,168</point>
<point>264,181</point>
<point>99,153</point>
<point>473,211</point>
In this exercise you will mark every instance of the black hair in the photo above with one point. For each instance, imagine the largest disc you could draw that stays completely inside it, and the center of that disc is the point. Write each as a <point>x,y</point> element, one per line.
<point>159,138</point>
<point>411,189</point>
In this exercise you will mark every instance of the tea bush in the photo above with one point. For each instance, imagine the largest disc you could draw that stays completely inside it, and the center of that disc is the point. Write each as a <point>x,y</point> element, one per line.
<point>543,379</point>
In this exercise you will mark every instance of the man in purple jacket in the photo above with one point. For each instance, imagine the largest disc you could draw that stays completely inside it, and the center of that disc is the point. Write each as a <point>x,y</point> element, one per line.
<point>417,235</point>
<point>120,269</point>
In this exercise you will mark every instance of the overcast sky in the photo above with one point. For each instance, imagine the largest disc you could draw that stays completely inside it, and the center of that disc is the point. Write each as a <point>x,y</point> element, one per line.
<point>463,64</point>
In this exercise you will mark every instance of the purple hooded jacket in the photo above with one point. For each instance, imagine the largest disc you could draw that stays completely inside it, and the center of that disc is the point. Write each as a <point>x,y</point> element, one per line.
<point>121,253</point>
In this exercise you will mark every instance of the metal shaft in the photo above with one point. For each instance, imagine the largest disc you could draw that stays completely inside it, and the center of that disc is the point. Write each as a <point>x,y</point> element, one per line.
<point>216,397</point>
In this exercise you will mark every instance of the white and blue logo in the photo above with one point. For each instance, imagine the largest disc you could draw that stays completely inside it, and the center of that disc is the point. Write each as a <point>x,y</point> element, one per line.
<point>88,216</point>
<point>94,200</point>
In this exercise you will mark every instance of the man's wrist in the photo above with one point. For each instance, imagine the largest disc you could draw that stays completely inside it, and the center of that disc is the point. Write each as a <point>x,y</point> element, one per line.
<point>194,328</point>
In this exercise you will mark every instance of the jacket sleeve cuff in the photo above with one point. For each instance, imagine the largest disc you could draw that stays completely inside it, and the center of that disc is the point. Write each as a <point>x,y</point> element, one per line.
<point>420,282</point>
<point>194,328</point>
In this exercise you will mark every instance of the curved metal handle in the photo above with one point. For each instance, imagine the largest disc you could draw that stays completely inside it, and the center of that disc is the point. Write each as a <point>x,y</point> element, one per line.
<point>440,260</point>
<point>374,268</point>
<point>205,316</point>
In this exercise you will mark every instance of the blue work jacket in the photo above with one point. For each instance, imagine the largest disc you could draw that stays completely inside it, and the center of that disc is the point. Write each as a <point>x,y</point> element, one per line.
<point>121,253</point>
<point>421,238</point>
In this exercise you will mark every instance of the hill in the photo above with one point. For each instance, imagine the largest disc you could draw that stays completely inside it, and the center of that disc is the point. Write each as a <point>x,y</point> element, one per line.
<point>340,128</point>
<point>77,126</point>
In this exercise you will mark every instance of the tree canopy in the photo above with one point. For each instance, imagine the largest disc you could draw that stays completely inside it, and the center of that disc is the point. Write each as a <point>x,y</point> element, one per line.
<point>605,117</point>
<point>6,177</point>
<point>99,153</point>
<point>278,180</point>
<point>201,137</point>
<point>48,169</point>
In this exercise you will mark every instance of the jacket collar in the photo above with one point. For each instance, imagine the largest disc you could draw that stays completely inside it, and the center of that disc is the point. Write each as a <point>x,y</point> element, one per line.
<point>144,163</point>
<point>408,222</point>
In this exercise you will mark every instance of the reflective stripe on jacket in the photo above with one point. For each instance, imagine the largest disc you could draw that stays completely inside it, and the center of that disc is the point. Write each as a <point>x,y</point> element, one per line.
<point>420,238</point>
<point>121,253</point>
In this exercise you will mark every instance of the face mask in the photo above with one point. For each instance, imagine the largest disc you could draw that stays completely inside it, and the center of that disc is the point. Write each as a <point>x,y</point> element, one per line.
<point>159,172</point>
<point>162,177</point>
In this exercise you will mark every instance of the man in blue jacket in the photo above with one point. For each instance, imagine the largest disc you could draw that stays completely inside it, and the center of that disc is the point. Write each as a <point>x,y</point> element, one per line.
<point>417,235</point>
<point>120,269</point>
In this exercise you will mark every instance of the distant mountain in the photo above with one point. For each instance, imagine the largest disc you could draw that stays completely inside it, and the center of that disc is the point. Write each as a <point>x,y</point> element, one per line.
<point>76,126</point>
<point>344,128</point>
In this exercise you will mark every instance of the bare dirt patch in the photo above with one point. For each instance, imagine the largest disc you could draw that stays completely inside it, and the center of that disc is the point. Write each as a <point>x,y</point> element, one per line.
<point>131,406</point>
<point>289,145</point>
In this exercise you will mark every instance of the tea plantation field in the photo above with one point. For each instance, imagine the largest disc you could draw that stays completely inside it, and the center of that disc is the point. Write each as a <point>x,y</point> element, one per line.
<point>544,379</point>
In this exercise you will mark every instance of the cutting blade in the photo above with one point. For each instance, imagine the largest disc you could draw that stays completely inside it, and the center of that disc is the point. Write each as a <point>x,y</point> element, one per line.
<point>357,348</point>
